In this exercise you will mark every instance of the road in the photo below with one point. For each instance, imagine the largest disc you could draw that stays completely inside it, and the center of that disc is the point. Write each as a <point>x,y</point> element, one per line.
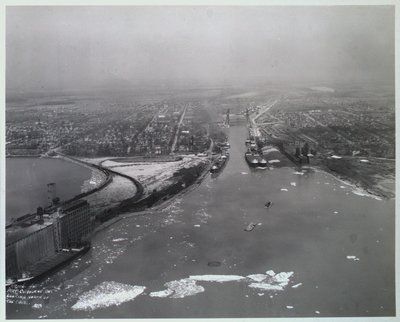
<point>253,122</point>
<point>173,147</point>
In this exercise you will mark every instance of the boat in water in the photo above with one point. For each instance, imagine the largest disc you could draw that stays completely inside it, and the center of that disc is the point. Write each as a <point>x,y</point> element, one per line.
<point>262,162</point>
<point>47,266</point>
<point>24,278</point>
<point>214,169</point>
<point>252,159</point>
<point>250,226</point>
<point>219,164</point>
<point>268,204</point>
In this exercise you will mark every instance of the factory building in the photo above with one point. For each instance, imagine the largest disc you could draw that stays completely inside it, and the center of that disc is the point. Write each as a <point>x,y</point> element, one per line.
<point>27,246</point>
<point>44,237</point>
<point>75,223</point>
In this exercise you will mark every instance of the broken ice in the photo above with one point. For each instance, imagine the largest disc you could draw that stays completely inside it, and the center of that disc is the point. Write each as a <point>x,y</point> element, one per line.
<point>107,294</point>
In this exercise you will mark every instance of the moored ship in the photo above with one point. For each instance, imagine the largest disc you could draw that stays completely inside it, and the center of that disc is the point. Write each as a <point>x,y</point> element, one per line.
<point>48,265</point>
<point>262,162</point>
<point>219,164</point>
<point>252,159</point>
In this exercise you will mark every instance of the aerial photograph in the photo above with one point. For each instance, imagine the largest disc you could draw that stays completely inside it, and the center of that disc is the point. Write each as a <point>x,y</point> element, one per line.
<point>199,162</point>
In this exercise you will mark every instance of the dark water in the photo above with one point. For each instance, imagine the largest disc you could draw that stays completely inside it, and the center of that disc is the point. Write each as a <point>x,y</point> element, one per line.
<point>27,178</point>
<point>300,233</point>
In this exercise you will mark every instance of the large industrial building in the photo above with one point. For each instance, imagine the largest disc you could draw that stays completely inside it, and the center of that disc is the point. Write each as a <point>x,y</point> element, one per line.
<point>42,237</point>
<point>75,223</point>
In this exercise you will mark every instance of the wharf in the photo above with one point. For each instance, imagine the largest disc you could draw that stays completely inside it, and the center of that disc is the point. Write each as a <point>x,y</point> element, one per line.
<point>50,264</point>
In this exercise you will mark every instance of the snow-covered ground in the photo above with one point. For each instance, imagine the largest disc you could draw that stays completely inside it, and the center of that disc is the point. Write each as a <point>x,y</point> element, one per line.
<point>153,175</point>
<point>94,181</point>
<point>118,190</point>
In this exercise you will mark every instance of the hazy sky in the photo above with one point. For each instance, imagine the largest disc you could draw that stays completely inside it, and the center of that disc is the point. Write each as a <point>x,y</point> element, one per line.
<point>72,47</point>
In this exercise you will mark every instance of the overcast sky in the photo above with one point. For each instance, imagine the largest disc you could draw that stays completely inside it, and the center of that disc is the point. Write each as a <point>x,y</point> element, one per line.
<point>73,47</point>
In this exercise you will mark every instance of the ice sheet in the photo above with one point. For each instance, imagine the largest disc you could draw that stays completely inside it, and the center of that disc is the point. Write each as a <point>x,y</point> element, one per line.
<point>107,294</point>
<point>216,278</point>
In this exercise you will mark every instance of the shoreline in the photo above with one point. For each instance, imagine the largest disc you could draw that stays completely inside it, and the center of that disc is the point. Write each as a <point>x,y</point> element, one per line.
<point>368,189</point>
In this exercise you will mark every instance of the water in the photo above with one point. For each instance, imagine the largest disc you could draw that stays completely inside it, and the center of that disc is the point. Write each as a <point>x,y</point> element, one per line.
<point>310,230</point>
<point>27,178</point>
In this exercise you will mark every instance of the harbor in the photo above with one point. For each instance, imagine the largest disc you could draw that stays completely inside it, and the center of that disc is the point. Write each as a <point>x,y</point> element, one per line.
<point>201,254</point>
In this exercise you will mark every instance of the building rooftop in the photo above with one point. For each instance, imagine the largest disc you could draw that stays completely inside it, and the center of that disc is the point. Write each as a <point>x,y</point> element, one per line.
<point>70,206</point>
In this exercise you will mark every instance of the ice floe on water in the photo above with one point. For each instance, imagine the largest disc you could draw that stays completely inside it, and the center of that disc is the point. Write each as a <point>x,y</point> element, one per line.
<point>282,278</point>
<point>297,285</point>
<point>270,281</point>
<point>163,293</point>
<point>216,278</point>
<point>354,258</point>
<point>266,286</point>
<point>203,215</point>
<point>107,294</point>
<point>184,287</point>
<point>119,239</point>
<point>257,277</point>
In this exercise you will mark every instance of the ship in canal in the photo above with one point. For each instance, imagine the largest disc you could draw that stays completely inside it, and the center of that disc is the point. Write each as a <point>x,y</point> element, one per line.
<point>219,164</point>
<point>262,162</point>
<point>252,158</point>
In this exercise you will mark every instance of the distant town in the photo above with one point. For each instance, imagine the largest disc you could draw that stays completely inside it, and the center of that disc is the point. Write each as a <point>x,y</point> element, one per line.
<point>108,129</point>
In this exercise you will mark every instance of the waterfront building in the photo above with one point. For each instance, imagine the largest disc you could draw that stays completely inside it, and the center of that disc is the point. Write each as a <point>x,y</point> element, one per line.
<point>75,224</point>
<point>40,241</point>
<point>26,246</point>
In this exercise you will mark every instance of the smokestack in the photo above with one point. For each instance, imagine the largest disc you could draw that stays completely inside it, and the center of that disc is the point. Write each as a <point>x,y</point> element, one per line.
<point>51,193</point>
